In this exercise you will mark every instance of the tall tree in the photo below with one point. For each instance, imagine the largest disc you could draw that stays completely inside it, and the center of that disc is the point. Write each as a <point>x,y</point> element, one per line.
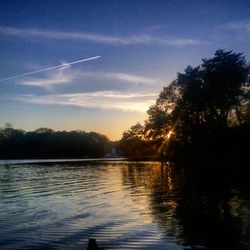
<point>202,103</point>
<point>160,114</point>
<point>211,92</point>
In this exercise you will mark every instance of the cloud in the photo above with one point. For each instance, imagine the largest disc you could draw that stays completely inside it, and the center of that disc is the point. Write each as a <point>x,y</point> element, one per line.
<point>142,39</point>
<point>241,25</point>
<point>138,102</point>
<point>66,75</point>
<point>48,82</point>
<point>125,77</point>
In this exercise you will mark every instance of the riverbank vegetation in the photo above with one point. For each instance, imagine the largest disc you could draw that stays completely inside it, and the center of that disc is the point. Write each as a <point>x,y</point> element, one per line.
<point>46,143</point>
<point>203,116</point>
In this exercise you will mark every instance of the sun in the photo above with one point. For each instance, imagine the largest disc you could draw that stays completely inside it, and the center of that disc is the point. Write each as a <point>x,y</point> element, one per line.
<point>169,134</point>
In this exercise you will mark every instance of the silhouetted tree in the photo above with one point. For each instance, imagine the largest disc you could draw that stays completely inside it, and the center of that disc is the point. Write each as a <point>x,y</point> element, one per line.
<point>160,115</point>
<point>212,92</point>
<point>199,112</point>
<point>135,144</point>
<point>46,143</point>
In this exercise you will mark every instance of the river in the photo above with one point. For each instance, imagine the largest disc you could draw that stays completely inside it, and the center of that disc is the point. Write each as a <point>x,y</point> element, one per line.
<point>124,205</point>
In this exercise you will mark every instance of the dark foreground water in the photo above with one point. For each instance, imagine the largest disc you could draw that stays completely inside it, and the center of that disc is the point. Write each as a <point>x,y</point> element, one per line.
<point>124,205</point>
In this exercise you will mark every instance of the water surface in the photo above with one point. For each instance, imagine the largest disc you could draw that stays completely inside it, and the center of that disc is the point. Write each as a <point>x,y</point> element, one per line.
<point>124,205</point>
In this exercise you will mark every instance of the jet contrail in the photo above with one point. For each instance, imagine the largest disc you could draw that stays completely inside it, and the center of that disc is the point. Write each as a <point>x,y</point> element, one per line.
<point>50,68</point>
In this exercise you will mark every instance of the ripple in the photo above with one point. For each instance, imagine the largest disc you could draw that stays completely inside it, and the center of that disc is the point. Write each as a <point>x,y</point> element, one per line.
<point>124,205</point>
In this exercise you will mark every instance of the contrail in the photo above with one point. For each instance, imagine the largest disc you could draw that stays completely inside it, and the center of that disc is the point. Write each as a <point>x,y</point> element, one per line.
<point>50,68</point>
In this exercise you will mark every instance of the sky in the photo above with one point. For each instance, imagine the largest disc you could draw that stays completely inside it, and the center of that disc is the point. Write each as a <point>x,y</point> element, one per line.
<point>142,46</point>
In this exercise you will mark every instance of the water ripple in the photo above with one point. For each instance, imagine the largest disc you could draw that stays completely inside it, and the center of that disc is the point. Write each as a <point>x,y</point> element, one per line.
<point>124,205</point>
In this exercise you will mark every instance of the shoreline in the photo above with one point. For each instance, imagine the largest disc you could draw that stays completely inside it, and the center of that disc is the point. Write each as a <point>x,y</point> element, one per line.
<point>59,160</point>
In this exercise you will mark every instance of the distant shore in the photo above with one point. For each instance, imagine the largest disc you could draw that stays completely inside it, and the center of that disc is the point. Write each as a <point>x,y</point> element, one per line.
<point>41,160</point>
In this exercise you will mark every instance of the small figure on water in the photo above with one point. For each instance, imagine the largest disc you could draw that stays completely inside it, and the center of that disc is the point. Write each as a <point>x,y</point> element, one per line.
<point>93,245</point>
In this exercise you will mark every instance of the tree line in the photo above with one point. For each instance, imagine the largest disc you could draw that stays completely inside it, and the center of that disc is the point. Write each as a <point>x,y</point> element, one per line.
<point>203,114</point>
<point>47,143</point>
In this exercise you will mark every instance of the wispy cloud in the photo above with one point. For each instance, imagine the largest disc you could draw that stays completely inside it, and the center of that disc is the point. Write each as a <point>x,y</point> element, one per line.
<point>138,39</point>
<point>66,76</point>
<point>241,25</point>
<point>125,77</point>
<point>138,102</point>
<point>50,81</point>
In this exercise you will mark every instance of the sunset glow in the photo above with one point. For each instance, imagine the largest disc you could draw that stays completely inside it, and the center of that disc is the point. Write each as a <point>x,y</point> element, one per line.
<point>169,134</point>
<point>142,46</point>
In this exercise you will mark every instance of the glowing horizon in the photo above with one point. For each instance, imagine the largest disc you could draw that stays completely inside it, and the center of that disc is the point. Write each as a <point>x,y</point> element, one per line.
<point>143,45</point>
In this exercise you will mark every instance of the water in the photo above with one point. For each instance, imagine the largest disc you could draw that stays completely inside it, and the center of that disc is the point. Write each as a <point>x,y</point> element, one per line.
<point>124,205</point>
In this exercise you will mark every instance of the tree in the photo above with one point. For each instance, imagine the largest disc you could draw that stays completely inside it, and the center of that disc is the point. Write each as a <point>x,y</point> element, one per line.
<point>46,143</point>
<point>224,77</point>
<point>201,105</point>
<point>212,91</point>
<point>8,125</point>
<point>44,131</point>
<point>135,144</point>
<point>160,115</point>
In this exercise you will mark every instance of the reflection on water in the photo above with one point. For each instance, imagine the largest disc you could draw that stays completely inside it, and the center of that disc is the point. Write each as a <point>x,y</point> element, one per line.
<point>124,205</point>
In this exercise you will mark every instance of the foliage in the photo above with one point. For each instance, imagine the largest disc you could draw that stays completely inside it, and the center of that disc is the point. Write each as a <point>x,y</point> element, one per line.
<point>197,112</point>
<point>46,143</point>
<point>133,142</point>
<point>160,114</point>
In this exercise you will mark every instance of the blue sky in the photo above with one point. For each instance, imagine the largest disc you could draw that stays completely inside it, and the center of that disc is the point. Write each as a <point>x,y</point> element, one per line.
<point>142,44</point>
